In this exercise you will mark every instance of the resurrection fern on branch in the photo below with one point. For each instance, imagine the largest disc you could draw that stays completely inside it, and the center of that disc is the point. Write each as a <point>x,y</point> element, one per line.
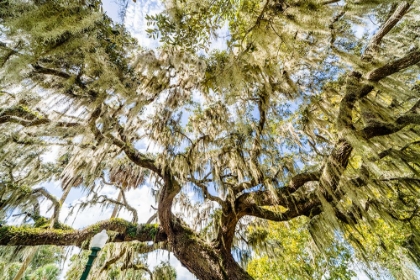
<point>311,111</point>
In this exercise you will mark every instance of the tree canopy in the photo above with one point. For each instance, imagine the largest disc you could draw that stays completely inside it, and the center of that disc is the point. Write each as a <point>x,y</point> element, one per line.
<point>311,111</point>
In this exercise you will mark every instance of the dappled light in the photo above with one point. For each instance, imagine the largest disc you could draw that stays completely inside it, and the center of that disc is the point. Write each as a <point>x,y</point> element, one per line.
<point>291,152</point>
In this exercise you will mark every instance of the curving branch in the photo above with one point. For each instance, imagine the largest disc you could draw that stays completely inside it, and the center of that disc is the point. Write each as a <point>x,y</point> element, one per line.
<point>206,192</point>
<point>126,231</point>
<point>54,72</point>
<point>10,52</point>
<point>56,203</point>
<point>251,203</point>
<point>49,71</point>
<point>135,156</point>
<point>295,183</point>
<point>300,179</point>
<point>113,260</point>
<point>396,16</point>
<point>138,267</point>
<point>378,128</point>
<point>150,220</point>
<point>391,151</point>
<point>394,66</point>
<point>308,208</point>
<point>327,2</point>
<point>24,117</point>
<point>129,207</point>
<point>354,91</point>
<point>303,204</point>
<point>103,198</point>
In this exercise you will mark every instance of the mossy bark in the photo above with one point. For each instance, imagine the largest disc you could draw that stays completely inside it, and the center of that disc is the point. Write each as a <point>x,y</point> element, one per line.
<point>206,261</point>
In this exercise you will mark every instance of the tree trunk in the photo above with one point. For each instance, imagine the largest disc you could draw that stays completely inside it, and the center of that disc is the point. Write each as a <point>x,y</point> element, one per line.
<point>25,263</point>
<point>207,261</point>
<point>204,260</point>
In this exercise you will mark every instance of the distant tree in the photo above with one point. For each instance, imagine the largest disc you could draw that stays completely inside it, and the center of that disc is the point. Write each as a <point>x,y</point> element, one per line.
<point>44,265</point>
<point>288,252</point>
<point>301,115</point>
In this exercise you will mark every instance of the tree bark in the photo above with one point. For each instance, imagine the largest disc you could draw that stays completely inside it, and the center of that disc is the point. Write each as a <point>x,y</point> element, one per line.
<point>26,263</point>
<point>206,261</point>
<point>11,235</point>
<point>394,66</point>
<point>386,27</point>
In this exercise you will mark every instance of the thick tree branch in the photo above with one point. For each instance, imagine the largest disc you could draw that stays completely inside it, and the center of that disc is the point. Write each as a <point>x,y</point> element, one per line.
<point>381,129</point>
<point>327,2</point>
<point>386,27</point>
<point>334,167</point>
<point>24,117</point>
<point>302,204</point>
<point>135,156</point>
<point>49,71</point>
<point>378,128</point>
<point>113,260</point>
<point>355,90</point>
<point>167,194</point>
<point>391,151</point>
<point>267,198</point>
<point>394,67</point>
<point>206,192</point>
<point>126,231</point>
<point>295,183</point>
<point>249,203</point>
<point>300,179</point>
<point>309,208</point>
<point>10,52</point>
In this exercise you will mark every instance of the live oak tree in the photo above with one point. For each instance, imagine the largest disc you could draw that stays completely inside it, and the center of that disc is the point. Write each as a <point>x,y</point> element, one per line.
<point>302,114</point>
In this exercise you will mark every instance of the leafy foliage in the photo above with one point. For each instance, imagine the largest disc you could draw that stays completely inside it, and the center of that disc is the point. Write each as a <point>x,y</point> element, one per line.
<point>291,254</point>
<point>44,265</point>
<point>300,115</point>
